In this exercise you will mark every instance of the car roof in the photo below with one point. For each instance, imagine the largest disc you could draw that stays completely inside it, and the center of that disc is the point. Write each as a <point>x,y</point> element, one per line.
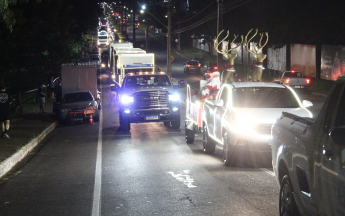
<point>192,61</point>
<point>256,84</point>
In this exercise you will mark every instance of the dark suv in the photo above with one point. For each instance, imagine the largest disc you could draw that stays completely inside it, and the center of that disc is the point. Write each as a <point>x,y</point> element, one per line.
<point>192,66</point>
<point>148,97</point>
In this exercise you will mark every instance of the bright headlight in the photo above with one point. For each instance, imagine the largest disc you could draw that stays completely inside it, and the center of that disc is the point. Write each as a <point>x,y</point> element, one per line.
<point>244,123</point>
<point>103,65</point>
<point>113,76</point>
<point>126,99</point>
<point>174,97</point>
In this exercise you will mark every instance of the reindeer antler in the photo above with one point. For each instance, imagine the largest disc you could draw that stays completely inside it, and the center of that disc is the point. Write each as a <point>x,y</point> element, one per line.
<point>256,50</point>
<point>224,52</point>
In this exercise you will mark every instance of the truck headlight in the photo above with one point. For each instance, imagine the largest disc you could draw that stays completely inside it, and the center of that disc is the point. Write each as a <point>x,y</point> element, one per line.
<point>174,97</point>
<point>126,99</point>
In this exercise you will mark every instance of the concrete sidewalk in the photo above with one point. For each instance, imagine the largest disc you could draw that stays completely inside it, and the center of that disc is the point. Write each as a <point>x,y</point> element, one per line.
<point>26,131</point>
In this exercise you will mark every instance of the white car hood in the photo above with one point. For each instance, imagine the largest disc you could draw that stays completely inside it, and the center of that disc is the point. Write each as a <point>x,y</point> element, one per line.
<point>269,115</point>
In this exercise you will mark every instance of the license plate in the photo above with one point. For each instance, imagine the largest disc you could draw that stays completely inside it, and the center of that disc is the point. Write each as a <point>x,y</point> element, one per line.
<point>297,86</point>
<point>152,117</point>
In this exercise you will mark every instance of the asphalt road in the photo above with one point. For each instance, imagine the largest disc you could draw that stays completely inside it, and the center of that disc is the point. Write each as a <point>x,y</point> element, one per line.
<point>97,169</point>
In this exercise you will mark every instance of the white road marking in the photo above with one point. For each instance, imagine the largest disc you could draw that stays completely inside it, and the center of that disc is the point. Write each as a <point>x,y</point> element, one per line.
<point>267,171</point>
<point>185,178</point>
<point>96,207</point>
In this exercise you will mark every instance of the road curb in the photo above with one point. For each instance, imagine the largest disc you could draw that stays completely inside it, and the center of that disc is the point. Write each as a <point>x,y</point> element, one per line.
<point>10,162</point>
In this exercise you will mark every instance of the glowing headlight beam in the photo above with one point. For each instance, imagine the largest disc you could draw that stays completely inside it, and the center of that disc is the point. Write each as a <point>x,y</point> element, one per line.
<point>174,97</point>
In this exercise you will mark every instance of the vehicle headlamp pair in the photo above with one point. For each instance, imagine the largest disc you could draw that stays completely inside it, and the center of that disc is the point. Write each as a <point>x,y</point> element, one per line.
<point>174,97</point>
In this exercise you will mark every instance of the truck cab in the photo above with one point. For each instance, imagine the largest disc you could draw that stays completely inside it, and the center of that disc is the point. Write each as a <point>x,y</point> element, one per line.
<point>148,97</point>
<point>308,158</point>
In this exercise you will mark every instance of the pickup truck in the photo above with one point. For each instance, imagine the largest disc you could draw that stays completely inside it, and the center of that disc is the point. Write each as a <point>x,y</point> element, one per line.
<point>242,114</point>
<point>294,79</point>
<point>308,158</point>
<point>148,97</point>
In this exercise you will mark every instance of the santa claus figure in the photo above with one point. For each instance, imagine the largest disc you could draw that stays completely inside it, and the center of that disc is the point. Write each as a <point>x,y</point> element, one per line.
<point>211,88</point>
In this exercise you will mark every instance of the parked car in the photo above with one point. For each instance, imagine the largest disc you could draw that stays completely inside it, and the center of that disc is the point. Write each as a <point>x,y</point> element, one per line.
<point>308,158</point>
<point>209,68</point>
<point>192,66</point>
<point>78,106</point>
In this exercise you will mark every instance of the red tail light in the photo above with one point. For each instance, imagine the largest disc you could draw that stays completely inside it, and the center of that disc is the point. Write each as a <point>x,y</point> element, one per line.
<point>287,81</point>
<point>210,74</point>
<point>188,65</point>
<point>308,81</point>
<point>215,67</point>
<point>292,71</point>
<point>199,65</point>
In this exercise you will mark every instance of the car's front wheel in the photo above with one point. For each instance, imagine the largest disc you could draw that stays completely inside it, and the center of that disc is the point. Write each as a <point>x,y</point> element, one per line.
<point>208,146</point>
<point>125,123</point>
<point>176,123</point>
<point>287,204</point>
<point>227,159</point>
<point>190,135</point>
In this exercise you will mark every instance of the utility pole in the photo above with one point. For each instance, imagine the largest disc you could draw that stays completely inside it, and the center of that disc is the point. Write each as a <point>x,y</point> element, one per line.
<point>147,34</point>
<point>133,26</point>
<point>219,28</point>
<point>169,41</point>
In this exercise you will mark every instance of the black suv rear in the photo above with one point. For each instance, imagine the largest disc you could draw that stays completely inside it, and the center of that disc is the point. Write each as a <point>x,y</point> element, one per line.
<point>192,66</point>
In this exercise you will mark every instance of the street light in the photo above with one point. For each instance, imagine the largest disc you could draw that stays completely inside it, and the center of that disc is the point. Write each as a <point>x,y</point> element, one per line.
<point>168,35</point>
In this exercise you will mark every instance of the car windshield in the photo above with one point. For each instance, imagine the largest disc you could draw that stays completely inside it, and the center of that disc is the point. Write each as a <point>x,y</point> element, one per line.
<point>264,97</point>
<point>292,74</point>
<point>77,97</point>
<point>147,80</point>
<point>102,37</point>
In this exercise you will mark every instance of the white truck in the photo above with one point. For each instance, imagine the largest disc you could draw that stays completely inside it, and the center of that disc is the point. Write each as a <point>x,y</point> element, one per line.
<point>122,50</point>
<point>103,38</point>
<point>132,63</point>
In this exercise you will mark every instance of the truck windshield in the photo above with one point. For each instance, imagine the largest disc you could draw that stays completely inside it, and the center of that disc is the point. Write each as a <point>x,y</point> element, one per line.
<point>264,97</point>
<point>147,80</point>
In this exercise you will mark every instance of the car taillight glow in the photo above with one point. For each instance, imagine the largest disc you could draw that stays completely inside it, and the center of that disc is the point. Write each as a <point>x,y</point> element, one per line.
<point>210,74</point>
<point>308,81</point>
<point>215,67</point>
<point>292,71</point>
<point>188,65</point>
<point>287,81</point>
<point>199,65</point>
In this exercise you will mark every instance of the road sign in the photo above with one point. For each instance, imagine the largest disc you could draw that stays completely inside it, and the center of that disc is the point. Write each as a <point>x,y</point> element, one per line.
<point>172,58</point>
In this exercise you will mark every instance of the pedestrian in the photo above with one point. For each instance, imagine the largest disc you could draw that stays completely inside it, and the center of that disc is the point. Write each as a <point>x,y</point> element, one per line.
<point>52,87</point>
<point>42,97</point>
<point>58,92</point>
<point>5,111</point>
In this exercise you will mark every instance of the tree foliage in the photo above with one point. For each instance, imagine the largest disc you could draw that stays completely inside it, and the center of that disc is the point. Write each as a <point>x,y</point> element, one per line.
<point>45,34</point>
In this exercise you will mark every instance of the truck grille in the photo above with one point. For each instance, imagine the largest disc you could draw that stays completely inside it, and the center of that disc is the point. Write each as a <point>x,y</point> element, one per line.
<point>264,129</point>
<point>148,100</point>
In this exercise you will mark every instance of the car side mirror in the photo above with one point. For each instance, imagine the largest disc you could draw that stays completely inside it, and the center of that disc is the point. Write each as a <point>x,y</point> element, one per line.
<point>115,87</point>
<point>307,103</point>
<point>218,103</point>
<point>337,135</point>
<point>181,84</point>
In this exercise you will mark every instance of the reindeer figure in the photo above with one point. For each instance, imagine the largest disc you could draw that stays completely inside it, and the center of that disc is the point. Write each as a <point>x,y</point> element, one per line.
<point>228,75</point>
<point>257,72</point>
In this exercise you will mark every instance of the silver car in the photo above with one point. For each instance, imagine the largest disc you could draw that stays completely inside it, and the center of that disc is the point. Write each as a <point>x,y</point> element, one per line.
<point>78,106</point>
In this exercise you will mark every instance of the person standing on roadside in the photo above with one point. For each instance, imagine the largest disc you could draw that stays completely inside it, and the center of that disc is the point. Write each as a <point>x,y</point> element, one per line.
<point>52,87</point>
<point>5,111</point>
<point>42,97</point>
